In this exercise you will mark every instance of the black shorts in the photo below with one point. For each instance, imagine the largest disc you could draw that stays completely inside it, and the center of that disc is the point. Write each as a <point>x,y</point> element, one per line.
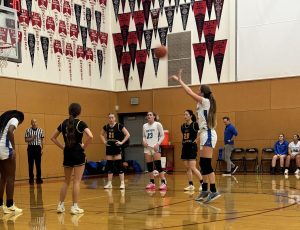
<point>189,151</point>
<point>113,150</point>
<point>74,156</point>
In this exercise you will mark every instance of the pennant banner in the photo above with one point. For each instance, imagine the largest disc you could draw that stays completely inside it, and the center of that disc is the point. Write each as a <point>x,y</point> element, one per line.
<point>139,3</point>
<point>116,4</point>
<point>141,57</point>
<point>155,61</point>
<point>36,22</point>
<point>45,48</point>
<point>29,7</point>
<point>89,57</point>
<point>118,43</point>
<point>94,40</point>
<point>124,20</point>
<point>176,5</point>
<point>83,36</point>
<point>98,20</point>
<point>209,34</point>
<point>67,13</point>
<point>123,4</point>
<point>24,22</point>
<point>62,31</point>
<point>219,52</point>
<point>146,9</point>
<point>88,17</point>
<point>170,16</point>
<point>148,39</point>
<point>218,10</point>
<point>199,53</point>
<point>139,21</point>
<point>155,18</point>
<point>58,51</point>
<point>103,41</point>
<point>209,4</point>
<point>31,45</point>
<point>50,27</point>
<point>100,61</point>
<point>74,35</point>
<point>80,56</point>
<point>69,56</point>
<point>77,14</point>
<point>199,12</point>
<point>184,10</point>
<point>55,6</point>
<point>161,6</point>
<point>132,6</point>
<point>126,61</point>
<point>163,32</point>
<point>132,44</point>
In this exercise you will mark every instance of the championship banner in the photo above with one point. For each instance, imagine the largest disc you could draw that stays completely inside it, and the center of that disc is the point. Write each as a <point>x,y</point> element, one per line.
<point>74,35</point>
<point>69,57</point>
<point>169,11</point>
<point>176,5</point>
<point>31,45</point>
<point>67,13</point>
<point>36,22</point>
<point>62,31</point>
<point>123,5</point>
<point>98,21</point>
<point>199,53</point>
<point>83,31</point>
<point>45,48</point>
<point>139,20</point>
<point>80,56</point>
<point>92,4</point>
<point>155,61</point>
<point>218,10</point>
<point>116,4</point>
<point>209,34</point>
<point>103,41</point>
<point>219,52</point>
<point>163,33</point>
<point>77,9</point>
<point>55,6</point>
<point>94,40</point>
<point>103,8</point>
<point>209,4</point>
<point>126,62</point>
<point>131,6</point>
<point>155,18</point>
<point>29,8</point>
<point>132,44</point>
<point>199,13</point>
<point>146,9</point>
<point>118,43</point>
<point>184,10</point>
<point>84,10</point>
<point>50,27</point>
<point>100,61</point>
<point>88,17</point>
<point>43,4</point>
<point>24,22</point>
<point>89,57</point>
<point>148,39</point>
<point>58,51</point>
<point>161,6</point>
<point>141,58</point>
<point>124,20</point>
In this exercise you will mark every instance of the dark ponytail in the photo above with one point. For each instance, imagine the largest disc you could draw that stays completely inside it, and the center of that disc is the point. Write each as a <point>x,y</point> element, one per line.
<point>6,116</point>
<point>212,113</point>
<point>191,113</point>
<point>74,111</point>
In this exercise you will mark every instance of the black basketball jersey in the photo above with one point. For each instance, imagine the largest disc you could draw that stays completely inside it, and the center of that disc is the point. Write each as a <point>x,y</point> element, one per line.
<point>114,133</point>
<point>189,132</point>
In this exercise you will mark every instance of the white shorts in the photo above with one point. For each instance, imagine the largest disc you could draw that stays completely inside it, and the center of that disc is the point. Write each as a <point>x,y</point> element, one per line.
<point>294,154</point>
<point>208,138</point>
<point>5,153</point>
<point>149,150</point>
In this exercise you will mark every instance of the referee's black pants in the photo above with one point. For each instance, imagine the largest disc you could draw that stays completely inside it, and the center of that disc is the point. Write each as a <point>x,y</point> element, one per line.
<point>34,155</point>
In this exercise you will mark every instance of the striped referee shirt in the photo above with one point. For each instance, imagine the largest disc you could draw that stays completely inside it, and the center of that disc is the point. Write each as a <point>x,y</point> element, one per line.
<point>39,135</point>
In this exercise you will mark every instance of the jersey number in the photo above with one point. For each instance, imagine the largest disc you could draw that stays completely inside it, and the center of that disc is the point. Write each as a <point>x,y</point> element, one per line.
<point>186,136</point>
<point>111,135</point>
<point>149,135</point>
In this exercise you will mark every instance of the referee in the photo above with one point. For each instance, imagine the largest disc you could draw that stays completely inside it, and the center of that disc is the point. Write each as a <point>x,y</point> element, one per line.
<point>34,137</point>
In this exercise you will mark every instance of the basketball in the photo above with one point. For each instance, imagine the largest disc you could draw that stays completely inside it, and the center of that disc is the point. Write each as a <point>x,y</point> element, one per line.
<point>161,52</point>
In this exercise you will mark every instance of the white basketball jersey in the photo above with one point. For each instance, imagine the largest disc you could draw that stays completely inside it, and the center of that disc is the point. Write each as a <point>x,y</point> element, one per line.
<point>202,111</point>
<point>153,133</point>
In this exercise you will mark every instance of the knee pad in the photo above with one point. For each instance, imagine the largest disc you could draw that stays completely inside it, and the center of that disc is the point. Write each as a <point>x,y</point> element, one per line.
<point>205,164</point>
<point>109,166</point>
<point>157,164</point>
<point>119,166</point>
<point>150,167</point>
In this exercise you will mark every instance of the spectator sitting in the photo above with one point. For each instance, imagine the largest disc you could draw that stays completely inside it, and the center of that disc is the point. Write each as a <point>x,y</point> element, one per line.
<point>281,151</point>
<point>294,150</point>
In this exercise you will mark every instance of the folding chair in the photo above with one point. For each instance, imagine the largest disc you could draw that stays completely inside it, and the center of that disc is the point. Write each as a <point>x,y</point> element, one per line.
<point>266,156</point>
<point>238,156</point>
<point>251,155</point>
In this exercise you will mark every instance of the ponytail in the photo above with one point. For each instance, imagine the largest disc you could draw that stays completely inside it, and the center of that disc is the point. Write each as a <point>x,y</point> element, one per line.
<point>212,113</point>
<point>74,111</point>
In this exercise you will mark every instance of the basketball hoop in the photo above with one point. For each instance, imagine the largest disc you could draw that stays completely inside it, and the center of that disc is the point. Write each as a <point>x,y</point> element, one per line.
<point>5,50</point>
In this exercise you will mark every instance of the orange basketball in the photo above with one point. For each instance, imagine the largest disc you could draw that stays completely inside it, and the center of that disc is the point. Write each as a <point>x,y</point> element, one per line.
<point>161,51</point>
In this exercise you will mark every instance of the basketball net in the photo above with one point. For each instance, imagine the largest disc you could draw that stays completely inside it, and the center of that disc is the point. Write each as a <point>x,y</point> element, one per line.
<point>5,50</point>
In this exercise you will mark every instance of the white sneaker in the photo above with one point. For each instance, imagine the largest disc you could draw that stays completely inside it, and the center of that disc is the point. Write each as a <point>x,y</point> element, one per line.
<point>189,188</point>
<point>60,208</point>
<point>286,172</point>
<point>76,210</point>
<point>297,171</point>
<point>122,186</point>
<point>108,186</point>
<point>200,187</point>
<point>11,209</point>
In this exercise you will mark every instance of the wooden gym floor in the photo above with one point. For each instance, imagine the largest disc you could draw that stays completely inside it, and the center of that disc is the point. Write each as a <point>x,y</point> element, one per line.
<point>247,202</point>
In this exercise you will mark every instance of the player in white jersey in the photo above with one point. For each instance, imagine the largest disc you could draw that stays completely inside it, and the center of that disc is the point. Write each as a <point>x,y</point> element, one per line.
<point>206,109</point>
<point>9,121</point>
<point>153,135</point>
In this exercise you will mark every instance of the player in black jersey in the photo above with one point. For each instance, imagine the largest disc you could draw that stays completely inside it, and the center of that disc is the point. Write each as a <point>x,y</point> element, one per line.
<point>114,135</point>
<point>189,148</point>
